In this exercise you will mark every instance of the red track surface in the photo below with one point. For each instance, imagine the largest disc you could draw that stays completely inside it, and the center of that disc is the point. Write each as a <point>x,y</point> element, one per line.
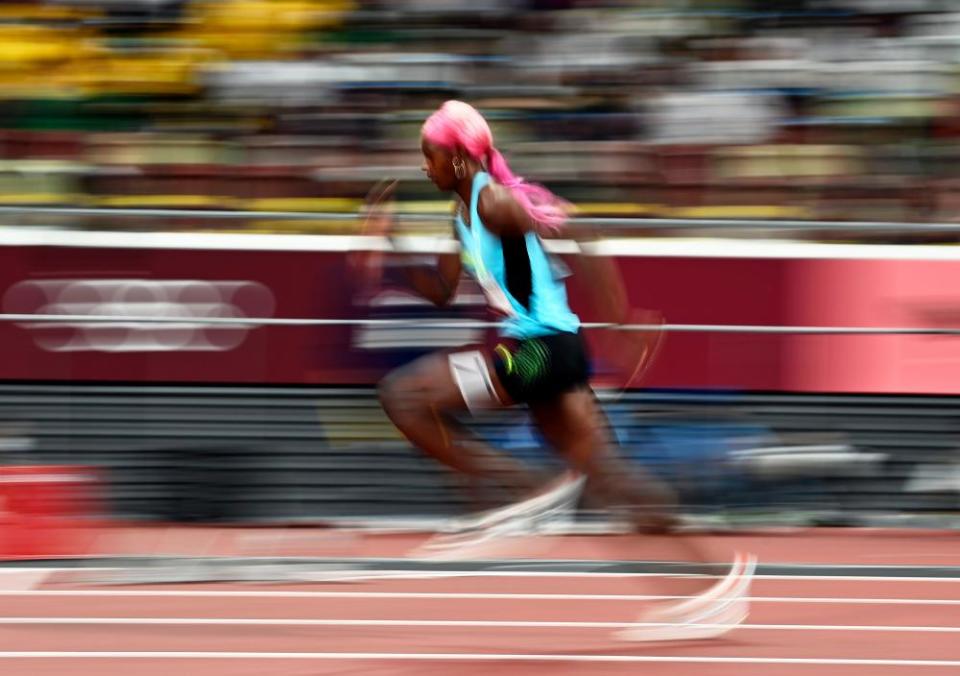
<point>833,613</point>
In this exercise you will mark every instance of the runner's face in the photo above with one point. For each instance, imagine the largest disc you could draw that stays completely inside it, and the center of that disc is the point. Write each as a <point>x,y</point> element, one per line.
<point>438,165</point>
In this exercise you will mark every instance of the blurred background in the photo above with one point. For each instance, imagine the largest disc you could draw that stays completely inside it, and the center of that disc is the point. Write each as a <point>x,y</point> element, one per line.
<point>742,109</point>
<point>769,162</point>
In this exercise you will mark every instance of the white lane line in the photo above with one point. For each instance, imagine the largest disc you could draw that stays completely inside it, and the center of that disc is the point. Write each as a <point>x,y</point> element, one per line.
<point>278,594</point>
<point>471,657</point>
<point>530,624</point>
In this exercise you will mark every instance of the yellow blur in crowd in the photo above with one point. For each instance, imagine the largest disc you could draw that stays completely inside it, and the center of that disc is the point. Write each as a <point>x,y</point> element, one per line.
<point>72,59</point>
<point>706,109</point>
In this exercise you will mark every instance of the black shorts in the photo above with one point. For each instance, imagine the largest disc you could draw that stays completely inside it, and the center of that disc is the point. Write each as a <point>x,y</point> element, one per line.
<point>539,369</point>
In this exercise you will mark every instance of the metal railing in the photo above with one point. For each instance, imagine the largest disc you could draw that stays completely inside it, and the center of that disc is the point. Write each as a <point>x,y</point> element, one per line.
<point>468,324</point>
<point>611,223</point>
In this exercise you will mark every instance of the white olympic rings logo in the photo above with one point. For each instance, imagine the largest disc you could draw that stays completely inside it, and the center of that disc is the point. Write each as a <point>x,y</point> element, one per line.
<point>187,299</point>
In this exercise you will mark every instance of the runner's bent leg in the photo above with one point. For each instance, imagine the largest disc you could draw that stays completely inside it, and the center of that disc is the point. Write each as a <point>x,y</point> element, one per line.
<point>576,427</point>
<point>419,399</point>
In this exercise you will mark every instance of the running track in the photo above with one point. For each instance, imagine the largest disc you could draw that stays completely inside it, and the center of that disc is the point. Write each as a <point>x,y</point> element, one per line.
<point>502,622</point>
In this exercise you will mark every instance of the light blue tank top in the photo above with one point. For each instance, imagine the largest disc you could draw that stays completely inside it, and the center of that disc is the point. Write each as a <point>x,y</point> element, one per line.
<point>482,256</point>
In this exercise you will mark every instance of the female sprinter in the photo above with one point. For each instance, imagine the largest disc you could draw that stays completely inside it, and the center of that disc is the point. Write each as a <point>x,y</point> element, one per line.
<point>541,360</point>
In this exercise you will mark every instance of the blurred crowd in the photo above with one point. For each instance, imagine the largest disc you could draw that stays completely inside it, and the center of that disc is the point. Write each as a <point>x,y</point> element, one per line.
<point>741,109</point>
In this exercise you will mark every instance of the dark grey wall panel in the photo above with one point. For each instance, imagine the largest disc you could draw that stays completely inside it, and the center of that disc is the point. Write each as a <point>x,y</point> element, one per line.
<point>304,454</point>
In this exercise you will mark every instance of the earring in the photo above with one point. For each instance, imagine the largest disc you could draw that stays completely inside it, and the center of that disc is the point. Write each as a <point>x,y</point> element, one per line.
<point>459,169</point>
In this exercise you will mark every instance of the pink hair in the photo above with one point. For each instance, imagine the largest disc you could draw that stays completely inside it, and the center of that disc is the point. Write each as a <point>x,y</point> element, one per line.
<point>458,125</point>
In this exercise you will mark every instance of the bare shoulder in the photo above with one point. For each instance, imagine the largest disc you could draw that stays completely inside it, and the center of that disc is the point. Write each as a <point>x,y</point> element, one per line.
<point>500,211</point>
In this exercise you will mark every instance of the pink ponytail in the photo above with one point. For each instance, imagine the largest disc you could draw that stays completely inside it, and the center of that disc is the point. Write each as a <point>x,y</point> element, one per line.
<point>545,209</point>
<point>458,124</point>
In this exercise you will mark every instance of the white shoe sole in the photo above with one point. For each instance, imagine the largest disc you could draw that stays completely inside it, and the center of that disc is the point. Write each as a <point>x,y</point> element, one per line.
<point>485,535</point>
<point>567,490</point>
<point>715,627</point>
<point>716,612</point>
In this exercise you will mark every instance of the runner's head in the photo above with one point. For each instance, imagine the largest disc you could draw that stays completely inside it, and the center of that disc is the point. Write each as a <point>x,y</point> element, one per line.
<point>455,133</point>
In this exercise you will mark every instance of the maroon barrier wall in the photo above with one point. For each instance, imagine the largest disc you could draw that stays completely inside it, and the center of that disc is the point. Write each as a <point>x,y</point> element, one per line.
<point>719,284</point>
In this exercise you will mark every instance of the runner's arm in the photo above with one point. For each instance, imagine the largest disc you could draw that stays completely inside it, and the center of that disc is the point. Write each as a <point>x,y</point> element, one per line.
<point>438,283</point>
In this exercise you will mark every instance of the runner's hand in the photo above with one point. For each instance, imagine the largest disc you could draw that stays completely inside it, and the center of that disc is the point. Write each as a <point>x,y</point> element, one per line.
<point>378,207</point>
<point>378,222</point>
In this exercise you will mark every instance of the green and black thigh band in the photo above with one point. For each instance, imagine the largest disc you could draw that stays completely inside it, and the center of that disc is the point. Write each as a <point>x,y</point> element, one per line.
<point>540,368</point>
